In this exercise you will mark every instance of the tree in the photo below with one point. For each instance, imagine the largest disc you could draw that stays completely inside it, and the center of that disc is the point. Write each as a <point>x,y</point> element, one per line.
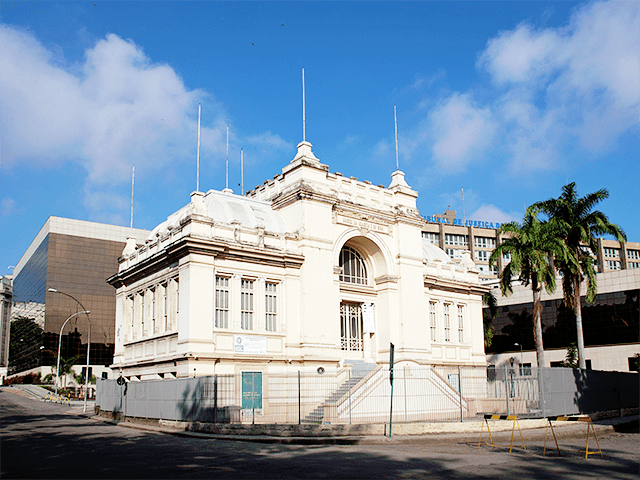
<point>532,246</point>
<point>66,367</point>
<point>488,314</point>
<point>571,360</point>
<point>25,340</point>
<point>578,224</point>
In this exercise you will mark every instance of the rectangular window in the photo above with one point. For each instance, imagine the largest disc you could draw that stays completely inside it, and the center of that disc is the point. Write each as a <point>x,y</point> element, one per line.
<point>457,240</point>
<point>271,306</point>
<point>634,264</point>
<point>132,319</point>
<point>246,304</point>
<point>454,253</point>
<point>613,265</point>
<point>153,310</point>
<point>633,254</point>
<point>165,306</point>
<point>612,252</point>
<point>222,302</point>
<point>525,369</point>
<point>482,255</point>
<point>433,325</point>
<point>461,323</point>
<point>484,242</point>
<point>506,257</point>
<point>143,327</point>
<point>431,237</point>
<point>174,304</point>
<point>447,322</point>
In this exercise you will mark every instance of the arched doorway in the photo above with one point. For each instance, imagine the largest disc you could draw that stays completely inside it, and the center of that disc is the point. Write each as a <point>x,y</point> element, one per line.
<point>360,262</point>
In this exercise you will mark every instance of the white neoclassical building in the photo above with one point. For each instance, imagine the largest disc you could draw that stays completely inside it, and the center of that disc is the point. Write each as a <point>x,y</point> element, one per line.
<point>310,269</point>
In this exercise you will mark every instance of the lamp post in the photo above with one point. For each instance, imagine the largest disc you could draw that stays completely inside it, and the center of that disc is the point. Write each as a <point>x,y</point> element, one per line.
<point>60,344</point>
<point>518,345</point>
<point>86,379</point>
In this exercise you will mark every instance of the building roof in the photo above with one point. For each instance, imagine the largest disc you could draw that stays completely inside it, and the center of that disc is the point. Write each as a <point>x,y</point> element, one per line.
<point>228,208</point>
<point>431,253</point>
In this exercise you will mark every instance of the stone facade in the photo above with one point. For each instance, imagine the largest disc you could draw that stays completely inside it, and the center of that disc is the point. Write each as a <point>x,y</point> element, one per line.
<point>310,269</point>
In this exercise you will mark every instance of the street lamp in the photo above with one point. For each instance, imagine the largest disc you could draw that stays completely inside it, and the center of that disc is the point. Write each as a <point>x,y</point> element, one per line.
<point>86,380</point>
<point>518,345</point>
<point>60,344</point>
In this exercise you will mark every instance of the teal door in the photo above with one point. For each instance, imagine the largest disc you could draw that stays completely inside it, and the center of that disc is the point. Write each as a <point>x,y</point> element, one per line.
<point>251,390</point>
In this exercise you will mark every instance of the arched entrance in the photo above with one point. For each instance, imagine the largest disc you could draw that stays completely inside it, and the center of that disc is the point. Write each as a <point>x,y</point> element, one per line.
<point>360,260</point>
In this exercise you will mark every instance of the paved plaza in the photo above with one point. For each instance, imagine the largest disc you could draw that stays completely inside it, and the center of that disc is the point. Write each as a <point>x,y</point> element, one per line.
<point>44,440</point>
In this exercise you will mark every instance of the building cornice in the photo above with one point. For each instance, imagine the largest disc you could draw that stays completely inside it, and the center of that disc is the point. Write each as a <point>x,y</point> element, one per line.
<point>454,285</point>
<point>205,246</point>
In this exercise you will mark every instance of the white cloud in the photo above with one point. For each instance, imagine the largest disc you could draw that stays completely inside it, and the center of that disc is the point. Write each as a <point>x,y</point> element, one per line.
<point>580,82</point>
<point>461,132</point>
<point>116,109</point>
<point>520,55</point>
<point>491,213</point>
<point>7,206</point>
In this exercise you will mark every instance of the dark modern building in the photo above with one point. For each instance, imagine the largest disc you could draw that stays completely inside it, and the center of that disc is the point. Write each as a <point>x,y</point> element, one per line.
<point>74,258</point>
<point>610,324</point>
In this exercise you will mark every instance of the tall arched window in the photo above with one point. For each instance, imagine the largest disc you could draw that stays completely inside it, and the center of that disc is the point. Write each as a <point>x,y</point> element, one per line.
<point>353,267</point>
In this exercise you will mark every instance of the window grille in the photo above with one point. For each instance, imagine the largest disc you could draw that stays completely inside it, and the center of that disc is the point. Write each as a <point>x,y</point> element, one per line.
<point>246,305</point>
<point>271,306</point>
<point>461,323</point>
<point>222,302</point>
<point>353,267</point>
<point>433,325</point>
<point>351,327</point>
<point>447,322</point>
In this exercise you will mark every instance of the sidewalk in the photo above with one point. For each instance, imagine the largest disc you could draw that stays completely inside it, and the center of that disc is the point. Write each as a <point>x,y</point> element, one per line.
<point>418,433</point>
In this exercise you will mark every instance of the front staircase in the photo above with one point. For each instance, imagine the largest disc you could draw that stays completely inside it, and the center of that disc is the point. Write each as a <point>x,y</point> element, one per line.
<point>359,370</point>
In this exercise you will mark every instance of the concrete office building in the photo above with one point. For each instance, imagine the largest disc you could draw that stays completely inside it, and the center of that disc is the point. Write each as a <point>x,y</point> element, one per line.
<point>75,257</point>
<point>611,323</point>
<point>454,236</point>
<point>310,269</point>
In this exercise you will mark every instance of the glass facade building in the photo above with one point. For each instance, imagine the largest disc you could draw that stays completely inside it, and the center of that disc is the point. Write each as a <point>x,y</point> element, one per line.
<point>74,257</point>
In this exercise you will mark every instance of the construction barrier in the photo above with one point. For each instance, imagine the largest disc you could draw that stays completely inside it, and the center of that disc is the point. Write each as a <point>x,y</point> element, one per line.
<point>52,397</point>
<point>572,418</point>
<point>501,417</point>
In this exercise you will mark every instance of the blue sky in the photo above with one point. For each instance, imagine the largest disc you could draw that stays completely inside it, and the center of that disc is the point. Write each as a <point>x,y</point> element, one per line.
<point>508,100</point>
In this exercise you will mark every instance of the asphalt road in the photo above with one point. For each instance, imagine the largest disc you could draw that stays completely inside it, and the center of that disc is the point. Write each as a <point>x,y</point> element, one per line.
<point>44,440</point>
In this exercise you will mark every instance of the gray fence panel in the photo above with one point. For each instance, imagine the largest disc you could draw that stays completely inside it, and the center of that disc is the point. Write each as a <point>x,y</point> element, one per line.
<point>559,391</point>
<point>154,399</point>
<point>535,392</point>
<point>571,390</point>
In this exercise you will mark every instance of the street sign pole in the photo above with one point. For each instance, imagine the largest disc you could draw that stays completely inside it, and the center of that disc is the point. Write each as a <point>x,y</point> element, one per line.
<point>391,349</point>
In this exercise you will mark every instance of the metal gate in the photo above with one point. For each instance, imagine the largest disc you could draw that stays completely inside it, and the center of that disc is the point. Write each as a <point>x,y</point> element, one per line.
<point>351,326</point>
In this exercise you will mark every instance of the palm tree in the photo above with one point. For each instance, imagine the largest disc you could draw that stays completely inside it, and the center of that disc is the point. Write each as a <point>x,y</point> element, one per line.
<point>488,314</point>
<point>578,225</point>
<point>532,245</point>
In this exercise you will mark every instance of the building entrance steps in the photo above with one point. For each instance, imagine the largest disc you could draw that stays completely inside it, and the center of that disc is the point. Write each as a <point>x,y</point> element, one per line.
<point>359,371</point>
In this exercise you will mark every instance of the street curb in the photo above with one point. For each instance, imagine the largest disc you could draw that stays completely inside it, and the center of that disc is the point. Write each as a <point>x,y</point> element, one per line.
<point>471,436</point>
